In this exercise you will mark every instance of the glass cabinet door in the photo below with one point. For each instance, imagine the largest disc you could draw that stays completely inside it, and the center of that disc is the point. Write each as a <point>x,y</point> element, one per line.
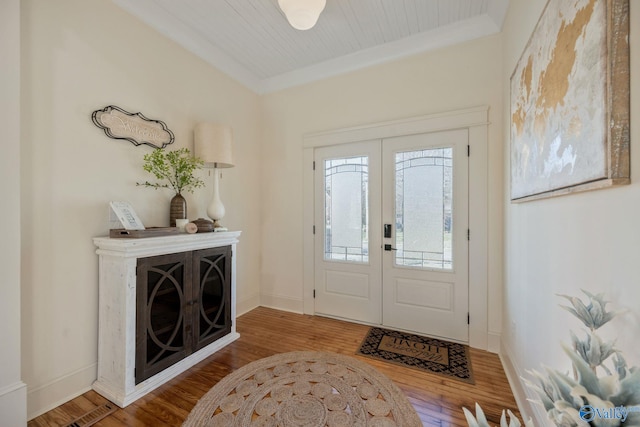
<point>212,295</point>
<point>163,296</point>
<point>183,304</point>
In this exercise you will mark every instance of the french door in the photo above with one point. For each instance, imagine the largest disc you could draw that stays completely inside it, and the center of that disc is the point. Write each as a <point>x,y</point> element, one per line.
<point>348,260</point>
<point>391,243</point>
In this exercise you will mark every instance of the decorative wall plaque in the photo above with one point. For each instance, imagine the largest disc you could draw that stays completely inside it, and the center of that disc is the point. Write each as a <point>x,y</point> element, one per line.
<point>120,124</point>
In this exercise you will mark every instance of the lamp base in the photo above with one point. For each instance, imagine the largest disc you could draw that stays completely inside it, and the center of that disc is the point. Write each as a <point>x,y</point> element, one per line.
<point>216,210</point>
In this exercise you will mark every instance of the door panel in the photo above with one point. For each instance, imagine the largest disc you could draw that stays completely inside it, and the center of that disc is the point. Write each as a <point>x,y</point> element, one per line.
<point>423,293</point>
<point>347,249</point>
<point>347,283</point>
<point>425,197</point>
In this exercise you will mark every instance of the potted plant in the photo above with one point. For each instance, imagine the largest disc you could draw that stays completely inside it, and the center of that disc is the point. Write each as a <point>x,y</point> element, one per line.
<point>175,170</point>
<point>594,395</point>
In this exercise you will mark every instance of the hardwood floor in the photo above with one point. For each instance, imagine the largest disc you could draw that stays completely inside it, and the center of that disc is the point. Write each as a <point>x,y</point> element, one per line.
<point>264,332</point>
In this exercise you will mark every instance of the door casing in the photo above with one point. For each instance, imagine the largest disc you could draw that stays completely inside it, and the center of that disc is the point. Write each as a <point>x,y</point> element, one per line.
<point>477,123</point>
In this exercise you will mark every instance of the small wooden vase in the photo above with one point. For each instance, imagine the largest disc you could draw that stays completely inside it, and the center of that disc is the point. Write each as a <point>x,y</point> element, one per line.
<point>177,210</point>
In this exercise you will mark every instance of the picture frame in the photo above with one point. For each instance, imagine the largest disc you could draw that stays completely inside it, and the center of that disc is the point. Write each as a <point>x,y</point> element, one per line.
<point>570,101</point>
<point>126,215</point>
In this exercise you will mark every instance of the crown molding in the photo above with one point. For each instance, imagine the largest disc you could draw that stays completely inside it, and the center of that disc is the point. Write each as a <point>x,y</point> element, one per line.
<point>164,22</point>
<point>458,32</point>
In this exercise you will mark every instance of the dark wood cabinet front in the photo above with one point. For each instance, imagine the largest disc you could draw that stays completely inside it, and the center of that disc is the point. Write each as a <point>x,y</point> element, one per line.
<point>212,288</point>
<point>183,304</point>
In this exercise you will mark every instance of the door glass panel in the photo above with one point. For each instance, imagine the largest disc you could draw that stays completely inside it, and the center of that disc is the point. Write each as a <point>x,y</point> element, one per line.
<point>346,209</point>
<point>424,201</point>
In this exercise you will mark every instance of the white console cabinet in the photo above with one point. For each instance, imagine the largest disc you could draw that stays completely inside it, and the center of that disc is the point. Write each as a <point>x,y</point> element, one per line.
<point>165,304</point>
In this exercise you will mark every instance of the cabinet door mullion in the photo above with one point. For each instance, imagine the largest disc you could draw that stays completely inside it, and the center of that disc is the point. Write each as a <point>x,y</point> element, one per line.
<point>162,315</point>
<point>212,295</point>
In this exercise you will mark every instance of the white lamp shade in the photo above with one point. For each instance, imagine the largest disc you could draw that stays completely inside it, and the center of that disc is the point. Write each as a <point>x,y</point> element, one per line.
<point>302,14</point>
<point>213,143</point>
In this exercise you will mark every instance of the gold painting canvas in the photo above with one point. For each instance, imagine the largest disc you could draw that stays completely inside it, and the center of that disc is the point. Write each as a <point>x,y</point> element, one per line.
<point>570,101</point>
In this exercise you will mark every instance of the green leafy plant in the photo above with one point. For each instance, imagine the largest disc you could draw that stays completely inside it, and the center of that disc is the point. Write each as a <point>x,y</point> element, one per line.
<point>584,398</point>
<point>174,168</point>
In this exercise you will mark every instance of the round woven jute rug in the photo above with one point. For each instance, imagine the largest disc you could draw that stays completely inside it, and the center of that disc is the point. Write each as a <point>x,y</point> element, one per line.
<point>304,388</point>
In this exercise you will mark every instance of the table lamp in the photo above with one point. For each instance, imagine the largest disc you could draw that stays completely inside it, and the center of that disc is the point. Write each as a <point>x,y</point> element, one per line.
<point>213,143</point>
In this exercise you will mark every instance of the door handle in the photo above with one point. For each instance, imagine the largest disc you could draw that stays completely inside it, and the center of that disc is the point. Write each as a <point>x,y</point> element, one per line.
<point>388,247</point>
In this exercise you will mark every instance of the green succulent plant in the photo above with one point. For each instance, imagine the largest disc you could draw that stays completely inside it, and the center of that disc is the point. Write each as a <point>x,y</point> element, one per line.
<point>585,399</point>
<point>175,168</point>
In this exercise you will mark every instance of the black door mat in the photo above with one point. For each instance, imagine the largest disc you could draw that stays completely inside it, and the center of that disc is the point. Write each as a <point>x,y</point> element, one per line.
<point>415,351</point>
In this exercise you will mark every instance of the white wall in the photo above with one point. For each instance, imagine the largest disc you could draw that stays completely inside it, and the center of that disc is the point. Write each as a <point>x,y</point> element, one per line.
<point>13,402</point>
<point>457,77</point>
<point>562,245</point>
<point>77,57</point>
<point>80,56</point>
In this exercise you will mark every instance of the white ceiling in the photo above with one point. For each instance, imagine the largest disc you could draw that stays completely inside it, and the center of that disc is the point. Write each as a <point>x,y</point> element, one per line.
<point>251,40</point>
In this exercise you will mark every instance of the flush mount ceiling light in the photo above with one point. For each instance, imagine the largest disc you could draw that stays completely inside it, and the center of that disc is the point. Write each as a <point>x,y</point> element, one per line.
<point>302,14</point>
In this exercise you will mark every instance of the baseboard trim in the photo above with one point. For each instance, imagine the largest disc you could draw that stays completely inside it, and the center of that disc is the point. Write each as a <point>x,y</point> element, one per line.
<point>13,404</point>
<point>519,389</point>
<point>54,393</point>
<point>247,304</point>
<point>494,340</point>
<point>279,302</point>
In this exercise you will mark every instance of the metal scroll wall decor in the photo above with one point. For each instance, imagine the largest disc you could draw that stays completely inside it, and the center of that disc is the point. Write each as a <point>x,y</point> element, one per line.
<point>134,127</point>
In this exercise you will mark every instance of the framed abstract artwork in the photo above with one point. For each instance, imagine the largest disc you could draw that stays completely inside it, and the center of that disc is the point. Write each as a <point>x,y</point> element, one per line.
<point>570,101</point>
